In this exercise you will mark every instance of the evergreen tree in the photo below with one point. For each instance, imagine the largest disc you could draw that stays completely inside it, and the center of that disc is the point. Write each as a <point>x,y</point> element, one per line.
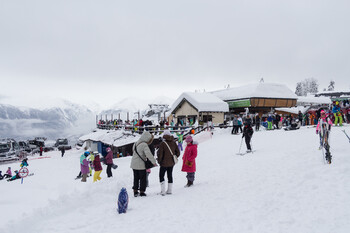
<point>331,86</point>
<point>309,85</point>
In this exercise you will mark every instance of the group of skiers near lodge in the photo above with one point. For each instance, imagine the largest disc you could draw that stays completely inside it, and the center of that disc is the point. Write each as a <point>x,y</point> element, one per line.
<point>168,148</point>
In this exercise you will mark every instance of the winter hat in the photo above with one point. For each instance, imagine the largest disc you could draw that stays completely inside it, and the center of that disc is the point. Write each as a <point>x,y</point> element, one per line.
<point>322,111</point>
<point>108,149</point>
<point>86,153</point>
<point>188,139</point>
<point>166,132</point>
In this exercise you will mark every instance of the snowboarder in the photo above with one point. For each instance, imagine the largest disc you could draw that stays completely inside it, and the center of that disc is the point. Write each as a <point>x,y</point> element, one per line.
<point>15,177</point>
<point>337,114</point>
<point>248,133</point>
<point>189,160</point>
<point>63,150</point>
<point>323,129</point>
<point>24,163</point>
<point>8,173</point>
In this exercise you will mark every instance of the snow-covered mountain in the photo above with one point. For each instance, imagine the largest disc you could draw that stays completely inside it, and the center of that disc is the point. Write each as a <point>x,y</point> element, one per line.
<point>66,120</point>
<point>62,118</point>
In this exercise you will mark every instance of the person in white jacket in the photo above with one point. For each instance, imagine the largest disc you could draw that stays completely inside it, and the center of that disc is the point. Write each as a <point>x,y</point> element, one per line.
<point>141,152</point>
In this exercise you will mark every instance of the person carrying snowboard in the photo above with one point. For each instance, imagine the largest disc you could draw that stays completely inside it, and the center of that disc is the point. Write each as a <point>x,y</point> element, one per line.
<point>248,133</point>
<point>323,129</point>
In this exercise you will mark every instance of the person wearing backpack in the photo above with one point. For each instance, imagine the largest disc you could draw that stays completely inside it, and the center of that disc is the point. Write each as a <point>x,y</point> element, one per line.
<point>165,157</point>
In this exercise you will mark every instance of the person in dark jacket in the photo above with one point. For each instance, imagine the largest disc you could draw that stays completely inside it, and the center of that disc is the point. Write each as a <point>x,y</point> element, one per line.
<point>165,159</point>
<point>257,122</point>
<point>63,150</point>
<point>97,167</point>
<point>109,161</point>
<point>248,133</point>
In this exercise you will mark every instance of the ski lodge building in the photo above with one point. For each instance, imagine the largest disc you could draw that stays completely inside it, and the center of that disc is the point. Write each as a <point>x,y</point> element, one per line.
<point>259,98</point>
<point>202,107</point>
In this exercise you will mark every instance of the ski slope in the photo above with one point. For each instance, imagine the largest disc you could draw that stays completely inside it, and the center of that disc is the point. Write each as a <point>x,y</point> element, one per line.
<point>283,187</point>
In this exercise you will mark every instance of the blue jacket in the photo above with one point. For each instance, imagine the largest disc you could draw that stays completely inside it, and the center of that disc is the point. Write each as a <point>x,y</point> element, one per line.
<point>336,109</point>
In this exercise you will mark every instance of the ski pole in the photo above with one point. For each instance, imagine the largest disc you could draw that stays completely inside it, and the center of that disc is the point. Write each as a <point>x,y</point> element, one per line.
<point>240,146</point>
<point>346,135</point>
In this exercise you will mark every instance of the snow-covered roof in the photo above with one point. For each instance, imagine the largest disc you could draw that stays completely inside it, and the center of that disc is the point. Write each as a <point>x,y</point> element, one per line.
<point>313,100</point>
<point>203,102</point>
<point>111,137</point>
<point>294,110</point>
<point>257,90</point>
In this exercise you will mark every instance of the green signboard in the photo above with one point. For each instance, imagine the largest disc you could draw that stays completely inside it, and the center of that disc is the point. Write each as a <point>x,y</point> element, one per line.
<point>239,103</point>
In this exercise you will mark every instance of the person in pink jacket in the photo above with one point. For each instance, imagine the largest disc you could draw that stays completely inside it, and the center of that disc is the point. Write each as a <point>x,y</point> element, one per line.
<point>109,162</point>
<point>189,160</point>
<point>323,129</point>
<point>84,165</point>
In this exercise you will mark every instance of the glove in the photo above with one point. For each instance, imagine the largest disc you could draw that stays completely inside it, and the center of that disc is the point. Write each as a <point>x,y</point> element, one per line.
<point>316,131</point>
<point>188,163</point>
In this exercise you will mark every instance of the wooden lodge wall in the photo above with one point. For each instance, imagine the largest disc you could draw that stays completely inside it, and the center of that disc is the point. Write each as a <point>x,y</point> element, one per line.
<point>278,103</point>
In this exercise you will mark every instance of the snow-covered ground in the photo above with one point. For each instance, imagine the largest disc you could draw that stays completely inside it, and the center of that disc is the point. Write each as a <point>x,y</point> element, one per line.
<point>284,186</point>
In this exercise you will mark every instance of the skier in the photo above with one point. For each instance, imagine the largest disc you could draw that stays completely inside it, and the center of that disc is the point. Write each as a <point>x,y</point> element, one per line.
<point>323,129</point>
<point>41,150</point>
<point>337,114</point>
<point>248,133</point>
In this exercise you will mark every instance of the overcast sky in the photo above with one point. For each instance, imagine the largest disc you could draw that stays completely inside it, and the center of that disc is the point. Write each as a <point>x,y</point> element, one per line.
<point>104,51</point>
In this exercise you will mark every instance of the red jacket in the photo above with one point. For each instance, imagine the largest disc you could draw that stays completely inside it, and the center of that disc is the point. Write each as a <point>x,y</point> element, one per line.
<point>97,163</point>
<point>189,158</point>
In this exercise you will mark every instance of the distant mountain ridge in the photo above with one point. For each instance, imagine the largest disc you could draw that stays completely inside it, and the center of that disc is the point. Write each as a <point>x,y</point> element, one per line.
<point>53,123</point>
<point>69,120</point>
